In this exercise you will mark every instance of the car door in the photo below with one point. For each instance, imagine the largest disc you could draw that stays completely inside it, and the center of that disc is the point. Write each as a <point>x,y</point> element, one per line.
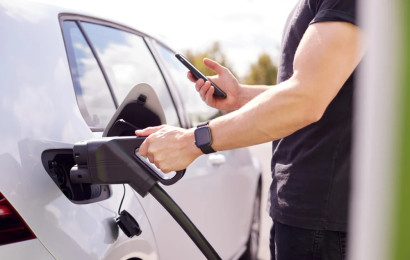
<point>222,185</point>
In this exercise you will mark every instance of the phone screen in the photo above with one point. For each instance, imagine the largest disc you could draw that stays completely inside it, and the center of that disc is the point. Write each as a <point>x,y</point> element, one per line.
<point>199,75</point>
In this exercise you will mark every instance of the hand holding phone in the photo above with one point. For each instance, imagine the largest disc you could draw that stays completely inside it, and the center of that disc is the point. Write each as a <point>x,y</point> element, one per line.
<point>199,75</point>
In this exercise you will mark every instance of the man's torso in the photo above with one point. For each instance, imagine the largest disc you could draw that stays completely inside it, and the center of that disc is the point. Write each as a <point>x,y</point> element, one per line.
<point>311,167</point>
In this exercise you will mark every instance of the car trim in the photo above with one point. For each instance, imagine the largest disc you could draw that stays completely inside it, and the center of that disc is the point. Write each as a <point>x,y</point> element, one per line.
<point>97,58</point>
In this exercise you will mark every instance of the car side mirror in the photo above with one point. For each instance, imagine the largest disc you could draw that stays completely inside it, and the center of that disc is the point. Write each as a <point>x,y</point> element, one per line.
<point>141,108</point>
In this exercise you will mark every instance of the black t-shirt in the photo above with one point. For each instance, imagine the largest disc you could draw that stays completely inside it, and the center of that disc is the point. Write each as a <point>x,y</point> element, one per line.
<point>311,167</point>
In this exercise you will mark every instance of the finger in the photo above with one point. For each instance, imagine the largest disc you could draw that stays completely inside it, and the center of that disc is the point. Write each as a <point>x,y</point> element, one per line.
<point>143,150</point>
<point>161,164</point>
<point>147,131</point>
<point>165,170</point>
<point>209,95</point>
<point>214,66</point>
<point>204,89</point>
<point>199,83</point>
<point>154,160</point>
<point>191,77</point>
<point>151,157</point>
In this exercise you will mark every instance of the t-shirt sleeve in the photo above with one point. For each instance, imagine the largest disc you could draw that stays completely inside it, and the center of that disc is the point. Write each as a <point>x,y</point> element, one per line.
<point>335,10</point>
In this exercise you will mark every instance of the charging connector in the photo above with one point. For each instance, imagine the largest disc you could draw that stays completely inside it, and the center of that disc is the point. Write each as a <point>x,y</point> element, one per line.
<point>114,160</point>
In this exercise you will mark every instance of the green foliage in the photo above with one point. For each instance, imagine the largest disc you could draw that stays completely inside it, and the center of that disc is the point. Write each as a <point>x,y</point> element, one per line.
<point>214,53</point>
<point>264,72</point>
<point>401,233</point>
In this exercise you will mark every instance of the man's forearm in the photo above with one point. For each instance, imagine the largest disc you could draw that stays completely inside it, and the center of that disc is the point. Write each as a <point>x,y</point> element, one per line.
<point>276,113</point>
<point>249,92</point>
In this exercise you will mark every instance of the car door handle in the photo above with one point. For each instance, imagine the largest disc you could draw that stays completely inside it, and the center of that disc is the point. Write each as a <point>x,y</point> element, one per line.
<point>217,159</point>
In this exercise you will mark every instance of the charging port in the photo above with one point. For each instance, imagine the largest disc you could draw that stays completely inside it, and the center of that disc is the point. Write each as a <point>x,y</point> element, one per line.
<point>58,164</point>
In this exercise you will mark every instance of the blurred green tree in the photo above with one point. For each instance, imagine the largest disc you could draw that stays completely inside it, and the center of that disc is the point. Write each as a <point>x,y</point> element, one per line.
<point>214,53</point>
<point>263,72</point>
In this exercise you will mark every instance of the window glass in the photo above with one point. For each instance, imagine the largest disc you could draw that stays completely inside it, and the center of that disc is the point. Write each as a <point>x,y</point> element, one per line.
<point>127,61</point>
<point>93,97</point>
<point>197,109</point>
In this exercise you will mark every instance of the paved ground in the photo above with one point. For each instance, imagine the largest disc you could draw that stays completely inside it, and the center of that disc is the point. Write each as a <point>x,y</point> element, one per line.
<point>264,153</point>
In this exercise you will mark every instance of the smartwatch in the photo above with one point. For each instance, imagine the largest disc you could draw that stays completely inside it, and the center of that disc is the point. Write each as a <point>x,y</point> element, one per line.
<point>203,138</point>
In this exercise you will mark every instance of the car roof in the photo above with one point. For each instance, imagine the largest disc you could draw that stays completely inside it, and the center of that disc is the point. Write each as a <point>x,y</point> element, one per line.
<point>33,11</point>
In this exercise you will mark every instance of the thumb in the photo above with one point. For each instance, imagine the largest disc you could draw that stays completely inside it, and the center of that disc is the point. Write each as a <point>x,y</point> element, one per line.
<point>213,65</point>
<point>147,131</point>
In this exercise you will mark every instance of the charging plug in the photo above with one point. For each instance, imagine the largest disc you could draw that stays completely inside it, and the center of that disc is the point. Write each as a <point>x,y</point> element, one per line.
<point>80,174</point>
<point>113,160</point>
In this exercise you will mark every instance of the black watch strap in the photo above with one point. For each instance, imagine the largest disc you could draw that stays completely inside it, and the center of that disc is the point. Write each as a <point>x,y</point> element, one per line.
<point>207,149</point>
<point>206,123</point>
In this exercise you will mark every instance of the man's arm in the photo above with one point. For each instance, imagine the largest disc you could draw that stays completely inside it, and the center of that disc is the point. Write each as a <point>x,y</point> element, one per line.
<point>326,57</point>
<point>324,60</point>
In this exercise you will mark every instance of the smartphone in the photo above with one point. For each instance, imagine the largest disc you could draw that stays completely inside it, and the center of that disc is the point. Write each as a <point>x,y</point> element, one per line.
<point>197,74</point>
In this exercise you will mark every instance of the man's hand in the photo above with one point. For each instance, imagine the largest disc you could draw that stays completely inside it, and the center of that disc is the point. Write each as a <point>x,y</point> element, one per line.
<point>169,148</point>
<point>225,80</point>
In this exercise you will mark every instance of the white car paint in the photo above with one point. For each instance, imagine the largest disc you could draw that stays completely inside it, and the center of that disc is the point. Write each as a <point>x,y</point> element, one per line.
<point>39,111</point>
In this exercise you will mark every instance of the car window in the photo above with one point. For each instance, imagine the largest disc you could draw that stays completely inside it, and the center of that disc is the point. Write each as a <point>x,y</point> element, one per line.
<point>91,90</point>
<point>197,109</point>
<point>127,62</point>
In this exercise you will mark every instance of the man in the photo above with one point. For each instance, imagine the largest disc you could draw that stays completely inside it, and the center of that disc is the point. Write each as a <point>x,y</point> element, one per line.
<point>308,115</point>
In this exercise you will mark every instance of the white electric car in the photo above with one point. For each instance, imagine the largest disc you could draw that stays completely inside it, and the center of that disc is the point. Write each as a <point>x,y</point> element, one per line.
<point>63,74</point>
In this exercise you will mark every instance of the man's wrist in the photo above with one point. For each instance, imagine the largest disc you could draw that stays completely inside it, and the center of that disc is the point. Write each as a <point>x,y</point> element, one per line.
<point>191,141</point>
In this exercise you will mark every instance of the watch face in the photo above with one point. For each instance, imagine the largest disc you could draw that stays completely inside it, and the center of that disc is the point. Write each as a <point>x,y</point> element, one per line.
<point>202,136</point>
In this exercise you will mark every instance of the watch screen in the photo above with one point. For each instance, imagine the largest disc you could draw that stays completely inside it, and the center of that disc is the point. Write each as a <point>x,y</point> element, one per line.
<point>202,136</point>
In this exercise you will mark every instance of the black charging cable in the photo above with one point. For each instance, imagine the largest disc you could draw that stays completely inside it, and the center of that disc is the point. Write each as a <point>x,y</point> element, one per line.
<point>182,219</point>
<point>122,200</point>
<point>114,161</point>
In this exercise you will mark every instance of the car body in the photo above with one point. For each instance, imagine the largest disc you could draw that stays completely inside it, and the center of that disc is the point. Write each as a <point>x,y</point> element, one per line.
<point>63,73</point>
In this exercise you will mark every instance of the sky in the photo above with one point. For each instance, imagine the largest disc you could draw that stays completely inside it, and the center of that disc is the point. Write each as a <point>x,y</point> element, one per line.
<point>244,28</point>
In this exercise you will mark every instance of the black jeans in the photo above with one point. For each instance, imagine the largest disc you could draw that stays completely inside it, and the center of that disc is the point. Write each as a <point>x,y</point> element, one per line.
<point>292,243</point>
